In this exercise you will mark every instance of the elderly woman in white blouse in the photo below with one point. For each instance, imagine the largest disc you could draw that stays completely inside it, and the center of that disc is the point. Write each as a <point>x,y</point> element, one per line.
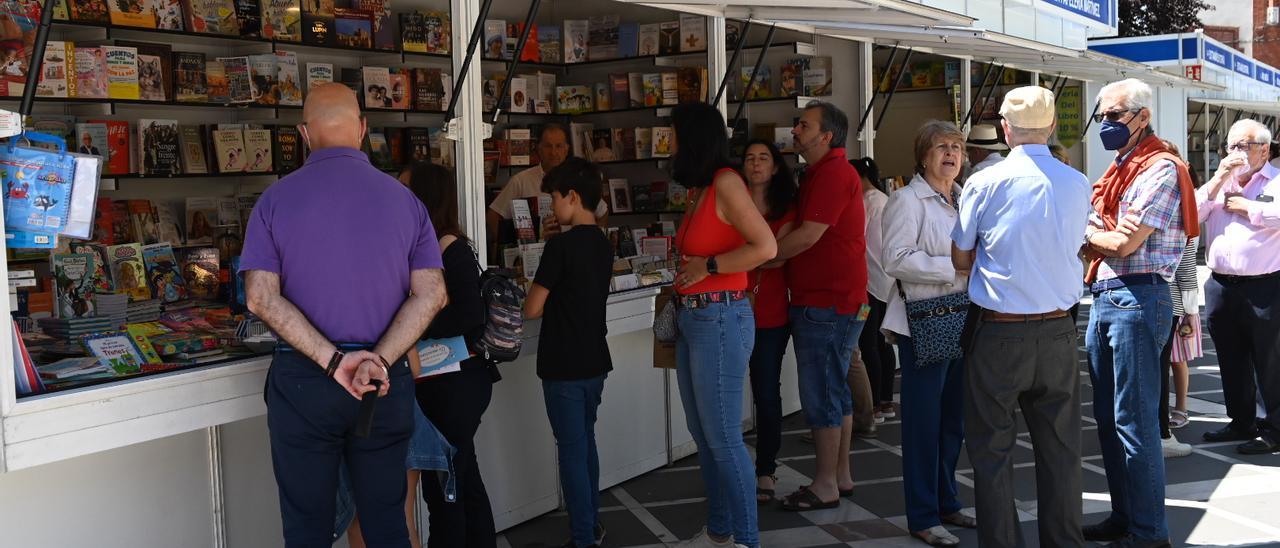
<point>917,252</point>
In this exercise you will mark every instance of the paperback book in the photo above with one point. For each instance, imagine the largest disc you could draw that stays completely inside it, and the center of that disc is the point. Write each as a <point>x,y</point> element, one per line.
<point>288,149</point>
<point>647,41</point>
<point>239,81</point>
<point>200,271</point>
<point>56,78</point>
<point>693,33</point>
<point>73,282</point>
<point>118,159</point>
<point>229,147</point>
<point>159,147</point>
<point>319,73</point>
<point>354,28</point>
<point>413,32</point>
<point>89,11</point>
<point>439,32</point>
<point>495,38</point>
<point>122,72</point>
<point>190,85</point>
<point>101,269</point>
<point>116,351</point>
<point>376,84</point>
<point>602,37</point>
<point>168,14</point>
<point>150,81</point>
<point>146,226</point>
<point>574,99</point>
<point>576,36</point>
<point>384,31</point>
<point>257,143</point>
<point>164,275</point>
<point>262,77</point>
<point>91,73</point>
<point>668,37</point>
<point>91,139</point>
<point>128,271</point>
<point>401,98</point>
<point>288,81</point>
<point>131,13</point>
<point>191,143</point>
<point>211,16</point>
<point>549,45</point>
<point>249,13</point>
<point>317,22</point>
<point>282,20</point>
<point>216,79</point>
<point>202,217</point>
<point>428,89</point>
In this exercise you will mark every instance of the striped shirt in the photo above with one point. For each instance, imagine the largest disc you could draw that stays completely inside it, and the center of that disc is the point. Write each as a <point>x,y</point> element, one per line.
<point>1186,283</point>
<point>1157,199</point>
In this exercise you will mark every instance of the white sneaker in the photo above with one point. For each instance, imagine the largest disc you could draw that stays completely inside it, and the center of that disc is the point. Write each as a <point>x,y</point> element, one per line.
<point>704,540</point>
<point>1172,448</point>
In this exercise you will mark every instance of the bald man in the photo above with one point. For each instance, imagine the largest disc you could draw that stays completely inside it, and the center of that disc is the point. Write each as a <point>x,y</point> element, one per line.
<point>341,261</point>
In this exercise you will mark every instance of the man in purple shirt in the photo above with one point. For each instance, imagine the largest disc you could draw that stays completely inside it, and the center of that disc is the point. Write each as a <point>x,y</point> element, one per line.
<point>342,262</point>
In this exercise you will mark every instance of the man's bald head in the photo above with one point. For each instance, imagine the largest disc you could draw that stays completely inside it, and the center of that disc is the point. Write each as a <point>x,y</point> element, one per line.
<point>331,117</point>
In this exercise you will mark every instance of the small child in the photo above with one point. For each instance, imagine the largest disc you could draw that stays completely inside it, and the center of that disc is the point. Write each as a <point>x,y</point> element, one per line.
<point>569,293</point>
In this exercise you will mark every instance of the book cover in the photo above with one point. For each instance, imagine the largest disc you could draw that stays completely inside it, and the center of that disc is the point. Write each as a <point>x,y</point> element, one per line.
<point>239,81</point>
<point>131,13</point>
<point>693,33</point>
<point>668,37</point>
<point>635,90</point>
<point>211,16</point>
<point>146,224</point>
<point>319,73</point>
<point>353,28</point>
<point>644,143</point>
<point>532,48</point>
<point>263,74</point>
<point>73,283</point>
<point>574,99</point>
<point>229,146</point>
<point>662,142</point>
<point>164,275</point>
<point>604,96</point>
<point>150,82</point>
<point>576,33</point>
<point>439,32</point>
<point>628,40</point>
<point>244,206</point>
<point>647,39</point>
<point>288,151</point>
<point>817,77</point>
<point>580,138</point>
<point>216,79</point>
<point>689,84</point>
<point>652,90</point>
<point>317,22</point>
<point>670,89</point>
<point>419,144</point>
<point>168,14</point>
<point>376,85</point>
<point>56,79</point>
<point>620,199</point>
<point>158,78</point>
<point>401,98</point>
<point>91,73</point>
<point>620,91</point>
<point>440,356</point>
<point>413,32</point>
<point>379,154</point>
<point>495,38</point>
<point>518,95</point>
<point>128,271</point>
<point>602,145</point>
<point>191,144</point>
<point>118,158</point>
<point>282,20</point>
<point>249,13</point>
<point>103,224</point>
<point>60,10</point>
<point>20,22</point>
<point>202,217</point>
<point>257,143</point>
<point>396,145</point>
<point>384,30</point>
<point>117,351</point>
<point>91,139</point>
<point>189,83</point>
<point>101,269</point>
<point>89,11</point>
<point>139,333</point>
<point>428,90</point>
<point>122,72</point>
<point>351,77</point>
<point>200,270</point>
<point>549,45</point>
<point>170,224</point>
<point>160,154</point>
<point>602,37</point>
<point>624,143</point>
<point>122,228</point>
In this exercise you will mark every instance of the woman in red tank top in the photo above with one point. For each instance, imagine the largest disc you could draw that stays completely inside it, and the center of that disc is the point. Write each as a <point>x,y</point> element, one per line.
<point>721,239</point>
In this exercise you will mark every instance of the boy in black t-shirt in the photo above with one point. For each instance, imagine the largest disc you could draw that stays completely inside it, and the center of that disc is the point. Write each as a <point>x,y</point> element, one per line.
<point>569,293</point>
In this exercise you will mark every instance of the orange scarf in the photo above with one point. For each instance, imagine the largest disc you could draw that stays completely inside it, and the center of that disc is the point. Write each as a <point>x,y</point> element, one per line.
<point>1113,184</point>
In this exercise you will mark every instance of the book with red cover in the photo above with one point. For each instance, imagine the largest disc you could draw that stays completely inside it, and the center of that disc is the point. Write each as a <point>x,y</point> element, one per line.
<point>118,138</point>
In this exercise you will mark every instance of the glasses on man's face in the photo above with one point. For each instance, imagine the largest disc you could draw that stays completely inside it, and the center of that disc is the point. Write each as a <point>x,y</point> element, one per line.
<point>1243,146</point>
<point>1113,115</point>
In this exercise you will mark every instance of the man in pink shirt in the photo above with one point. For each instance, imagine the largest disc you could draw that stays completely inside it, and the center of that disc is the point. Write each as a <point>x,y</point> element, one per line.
<point>1242,229</point>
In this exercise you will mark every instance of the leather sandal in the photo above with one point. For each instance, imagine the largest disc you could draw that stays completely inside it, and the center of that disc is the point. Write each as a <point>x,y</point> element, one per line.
<point>804,500</point>
<point>765,496</point>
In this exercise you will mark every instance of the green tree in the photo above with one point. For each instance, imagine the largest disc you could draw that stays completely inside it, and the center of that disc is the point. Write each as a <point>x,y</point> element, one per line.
<point>1152,17</point>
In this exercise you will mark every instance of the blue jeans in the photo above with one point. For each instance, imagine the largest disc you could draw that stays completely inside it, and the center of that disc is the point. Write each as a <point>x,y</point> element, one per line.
<point>932,433</point>
<point>571,407</point>
<point>712,351</point>
<point>1127,331</point>
<point>766,390</point>
<point>824,343</point>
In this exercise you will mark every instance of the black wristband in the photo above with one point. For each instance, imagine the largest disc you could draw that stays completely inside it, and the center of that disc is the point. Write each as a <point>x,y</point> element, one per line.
<point>385,365</point>
<point>712,266</point>
<point>334,361</point>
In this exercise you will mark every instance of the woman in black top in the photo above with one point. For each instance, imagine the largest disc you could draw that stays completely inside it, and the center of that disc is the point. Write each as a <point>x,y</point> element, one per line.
<point>455,402</point>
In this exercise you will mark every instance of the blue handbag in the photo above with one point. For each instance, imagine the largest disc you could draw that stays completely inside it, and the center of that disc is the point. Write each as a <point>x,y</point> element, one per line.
<point>936,325</point>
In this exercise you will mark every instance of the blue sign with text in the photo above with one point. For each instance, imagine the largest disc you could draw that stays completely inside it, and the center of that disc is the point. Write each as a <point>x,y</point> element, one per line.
<point>1244,66</point>
<point>1217,56</point>
<point>1263,74</point>
<point>1095,13</point>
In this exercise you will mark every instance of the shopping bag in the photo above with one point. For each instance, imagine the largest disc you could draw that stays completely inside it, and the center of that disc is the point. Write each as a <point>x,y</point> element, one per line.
<point>37,184</point>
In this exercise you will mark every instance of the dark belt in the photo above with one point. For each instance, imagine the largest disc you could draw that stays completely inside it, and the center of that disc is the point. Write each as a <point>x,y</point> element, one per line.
<point>1127,280</point>
<point>1001,317</point>
<point>345,347</point>
<point>1233,279</point>
<point>702,300</point>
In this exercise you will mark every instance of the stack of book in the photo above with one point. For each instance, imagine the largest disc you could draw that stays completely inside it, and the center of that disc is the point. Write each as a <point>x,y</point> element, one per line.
<point>114,306</point>
<point>144,311</point>
<point>73,328</point>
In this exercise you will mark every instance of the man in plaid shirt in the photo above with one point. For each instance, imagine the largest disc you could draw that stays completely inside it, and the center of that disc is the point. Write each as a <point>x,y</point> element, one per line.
<point>1143,210</point>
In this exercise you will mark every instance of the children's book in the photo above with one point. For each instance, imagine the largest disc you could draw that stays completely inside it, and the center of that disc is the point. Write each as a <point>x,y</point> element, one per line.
<point>662,142</point>
<point>576,40</point>
<point>288,81</point>
<point>200,271</point>
<point>91,73</point>
<point>131,13</point>
<point>122,72</point>
<point>56,76</point>
<point>282,20</point>
<point>150,81</point>
<point>164,275</point>
<point>128,271</point>
<point>117,351</point>
<point>73,284</point>
<point>101,265</point>
<point>211,16</point>
<point>89,11</point>
<point>574,99</point>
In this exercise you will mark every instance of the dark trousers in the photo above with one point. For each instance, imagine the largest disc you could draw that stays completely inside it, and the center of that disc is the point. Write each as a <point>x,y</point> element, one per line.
<point>1244,321</point>
<point>877,353</point>
<point>932,433</point>
<point>1166,359</point>
<point>1032,365</point>
<point>572,408</point>
<point>454,403</point>
<point>766,390</point>
<point>311,419</point>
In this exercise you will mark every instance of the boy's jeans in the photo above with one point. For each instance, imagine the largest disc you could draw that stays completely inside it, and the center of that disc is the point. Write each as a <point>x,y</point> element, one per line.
<point>712,352</point>
<point>571,407</point>
<point>1127,330</point>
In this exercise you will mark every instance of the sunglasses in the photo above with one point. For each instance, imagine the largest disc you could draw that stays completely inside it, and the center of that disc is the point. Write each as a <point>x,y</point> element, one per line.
<point>1114,115</point>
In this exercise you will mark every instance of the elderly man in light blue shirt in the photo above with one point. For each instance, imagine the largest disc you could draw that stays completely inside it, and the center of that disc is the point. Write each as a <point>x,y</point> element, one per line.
<point>1020,229</point>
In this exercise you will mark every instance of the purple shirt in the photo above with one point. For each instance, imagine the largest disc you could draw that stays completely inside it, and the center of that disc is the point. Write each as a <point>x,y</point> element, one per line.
<point>343,237</point>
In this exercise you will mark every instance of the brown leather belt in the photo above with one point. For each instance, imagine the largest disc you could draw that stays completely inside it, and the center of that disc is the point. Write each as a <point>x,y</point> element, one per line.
<point>1001,317</point>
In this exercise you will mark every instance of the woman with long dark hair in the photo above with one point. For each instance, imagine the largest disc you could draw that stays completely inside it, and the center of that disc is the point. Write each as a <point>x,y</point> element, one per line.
<point>454,402</point>
<point>876,351</point>
<point>722,238</point>
<point>773,190</point>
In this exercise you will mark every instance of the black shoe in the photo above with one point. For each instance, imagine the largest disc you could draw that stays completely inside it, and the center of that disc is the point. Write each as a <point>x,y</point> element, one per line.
<point>1229,433</point>
<point>1130,542</point>
<point>1258,446</point>
<point>1105,531</point>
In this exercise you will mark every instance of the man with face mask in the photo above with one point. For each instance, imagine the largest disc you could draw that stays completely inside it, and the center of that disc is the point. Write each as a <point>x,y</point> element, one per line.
<point>1132,260</point>
<point>1242,225</point>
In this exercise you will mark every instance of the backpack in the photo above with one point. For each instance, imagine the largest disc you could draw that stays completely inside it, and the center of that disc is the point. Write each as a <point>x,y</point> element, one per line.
<point>504,316</point>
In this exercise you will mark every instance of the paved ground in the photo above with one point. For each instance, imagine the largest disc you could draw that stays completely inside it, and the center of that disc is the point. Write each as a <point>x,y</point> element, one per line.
<point>1216,497</point>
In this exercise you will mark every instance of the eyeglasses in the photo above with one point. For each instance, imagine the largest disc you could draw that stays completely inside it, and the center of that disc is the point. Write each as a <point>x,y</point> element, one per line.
<point>1113,115</point>
<point>1243,146</point>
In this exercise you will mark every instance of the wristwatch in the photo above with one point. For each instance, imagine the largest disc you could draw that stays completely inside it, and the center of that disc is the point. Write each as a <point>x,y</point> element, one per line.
<point>712,267</point>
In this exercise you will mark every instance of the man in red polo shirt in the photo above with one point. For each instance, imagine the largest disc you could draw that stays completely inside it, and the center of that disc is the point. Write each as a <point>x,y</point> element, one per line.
<point>827,276</point>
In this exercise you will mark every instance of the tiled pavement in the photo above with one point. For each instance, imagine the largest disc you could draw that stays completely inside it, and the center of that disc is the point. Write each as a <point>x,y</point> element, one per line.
<point>1215,497</point>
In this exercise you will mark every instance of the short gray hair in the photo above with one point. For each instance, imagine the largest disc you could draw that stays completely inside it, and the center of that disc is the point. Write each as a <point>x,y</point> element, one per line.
<point>1137,94</point>
<point>833,120</point>
<point>1260,130</point>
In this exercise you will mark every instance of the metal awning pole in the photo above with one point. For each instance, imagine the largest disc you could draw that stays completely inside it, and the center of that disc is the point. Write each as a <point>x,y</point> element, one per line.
<point>477,31</point>
<point>992,91</point>
<point>884,109</point>
<point>1089,121</point>
<point>755,73</point>
<point>37,60</point>
<point>728,73</point>
<point>875,92</point>
<point>1196,120</point>
<point>515,60</point>
<point>986,75</point>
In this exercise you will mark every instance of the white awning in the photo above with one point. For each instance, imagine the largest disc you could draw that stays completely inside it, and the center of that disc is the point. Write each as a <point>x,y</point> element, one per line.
<point>1271,108</point>
<point>884,12</point>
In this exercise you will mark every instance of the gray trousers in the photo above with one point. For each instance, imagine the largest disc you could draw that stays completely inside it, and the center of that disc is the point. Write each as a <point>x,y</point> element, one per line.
<point>1033,365</point>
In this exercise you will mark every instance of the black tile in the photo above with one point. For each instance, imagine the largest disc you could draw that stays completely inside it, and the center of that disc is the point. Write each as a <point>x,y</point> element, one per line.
<point>1260,460</point>
<point>773,518</point>
<point>607,500</point>
<point>1195,467</point>
<point>887,500</point>
<point>623,529</point>
<point>1215,397</point>
<point>854,531</point>
<point>683,520</point>
<point>969,537</point>
<point>1200,383</point>
<point>1024,482</point>
<point>666,485</point>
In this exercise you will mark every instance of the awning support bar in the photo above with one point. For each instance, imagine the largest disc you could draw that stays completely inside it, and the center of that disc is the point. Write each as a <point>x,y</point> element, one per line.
<point>1203,107</point>
<point>477,31</point>
<point>733,61</point>
<point>992,91</point>
<point>37,58</point>
<point>1213,128</point>
<point>884,109</point>
<point>515,60</point>
<point>875,92</point>
<point>755,73</point>
<point>1089,121</point>
<point>986,75</point>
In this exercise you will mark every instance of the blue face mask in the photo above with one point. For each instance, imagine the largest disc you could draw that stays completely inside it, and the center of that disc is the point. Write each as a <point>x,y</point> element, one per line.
<point>1115,135</point>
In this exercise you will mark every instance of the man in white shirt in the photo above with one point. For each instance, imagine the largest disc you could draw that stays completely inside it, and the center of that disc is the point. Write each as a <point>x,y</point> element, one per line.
<point>983,146</point>
<point>553,148</point>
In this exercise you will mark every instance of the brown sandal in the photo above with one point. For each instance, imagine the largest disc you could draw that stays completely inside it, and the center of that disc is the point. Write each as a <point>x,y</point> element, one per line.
<point>765,496</point>
<point>804,500</point>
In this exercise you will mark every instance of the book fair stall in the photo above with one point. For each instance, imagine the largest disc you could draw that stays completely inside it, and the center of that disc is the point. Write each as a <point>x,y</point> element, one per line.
<point>150,127</point>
